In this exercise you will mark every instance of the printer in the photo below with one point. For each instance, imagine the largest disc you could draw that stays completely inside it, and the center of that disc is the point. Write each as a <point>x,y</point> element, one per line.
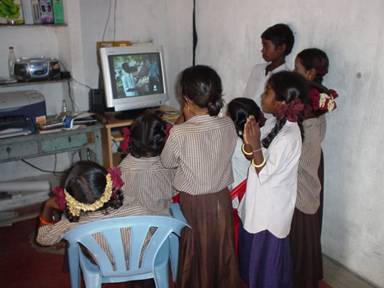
<point>19,111</point>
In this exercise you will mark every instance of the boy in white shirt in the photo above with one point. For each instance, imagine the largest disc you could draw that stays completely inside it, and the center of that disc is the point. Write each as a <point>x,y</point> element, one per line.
<point>277,43</point>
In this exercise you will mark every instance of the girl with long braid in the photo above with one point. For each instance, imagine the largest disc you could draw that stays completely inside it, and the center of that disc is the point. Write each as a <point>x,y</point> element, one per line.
<point>305,233</point>
<point>267,207</point>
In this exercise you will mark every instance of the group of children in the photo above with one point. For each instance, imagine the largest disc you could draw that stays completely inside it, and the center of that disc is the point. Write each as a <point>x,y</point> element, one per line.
<point>279,153</point>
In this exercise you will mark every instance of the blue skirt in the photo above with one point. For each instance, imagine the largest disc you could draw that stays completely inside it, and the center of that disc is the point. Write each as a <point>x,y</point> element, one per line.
<point>265,260</point>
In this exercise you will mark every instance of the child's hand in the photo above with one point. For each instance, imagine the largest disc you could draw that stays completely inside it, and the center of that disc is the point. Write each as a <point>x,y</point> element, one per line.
<point>251,133</point>
<point>51,204</point>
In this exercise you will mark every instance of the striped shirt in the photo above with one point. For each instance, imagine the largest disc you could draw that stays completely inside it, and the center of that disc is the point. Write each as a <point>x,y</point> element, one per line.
<point>201,149</point>
<point>308,182</point>
<point>51,234</point>
<point>147,184</point>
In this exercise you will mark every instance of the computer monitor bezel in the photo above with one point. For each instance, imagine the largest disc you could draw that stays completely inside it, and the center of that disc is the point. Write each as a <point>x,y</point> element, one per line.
<point>133,102</point>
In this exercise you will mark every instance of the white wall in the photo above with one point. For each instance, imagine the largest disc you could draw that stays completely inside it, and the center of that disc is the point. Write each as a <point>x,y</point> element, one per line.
<point>162,22</point>
<point>351,32</point>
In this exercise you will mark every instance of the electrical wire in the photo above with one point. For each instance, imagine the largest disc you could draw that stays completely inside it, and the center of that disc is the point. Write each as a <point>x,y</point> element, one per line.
<point>43,170</point>
<point>107,21</point>
<point>114,21</point>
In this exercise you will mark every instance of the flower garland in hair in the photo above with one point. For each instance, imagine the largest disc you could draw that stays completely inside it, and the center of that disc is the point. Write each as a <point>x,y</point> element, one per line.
<point>63,198</point>
<point>291,110</point>
<point>75,207</point>
<point>58,193</point>
<point>124,145</point>
<point>167,129</point>
<point>323,101</point>
<point>115,173</point>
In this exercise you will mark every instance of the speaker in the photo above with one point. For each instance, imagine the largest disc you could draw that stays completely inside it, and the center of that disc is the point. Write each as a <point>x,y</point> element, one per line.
<point>96,101</point>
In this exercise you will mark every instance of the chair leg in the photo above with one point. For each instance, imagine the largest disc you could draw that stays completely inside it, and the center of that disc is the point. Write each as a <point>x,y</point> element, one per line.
<point>75,276</point>
<point>92,280</point>
<point>74,267</point>
<point>174,254</point>
<point>162,276</point>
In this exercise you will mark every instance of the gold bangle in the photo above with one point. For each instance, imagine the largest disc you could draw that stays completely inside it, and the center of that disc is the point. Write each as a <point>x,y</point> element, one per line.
<point>245,152</point>
<point>258,165</point>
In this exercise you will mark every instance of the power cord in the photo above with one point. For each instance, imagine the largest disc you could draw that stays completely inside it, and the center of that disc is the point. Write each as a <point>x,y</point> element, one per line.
<point>54,172</point>
<point>106,22</point>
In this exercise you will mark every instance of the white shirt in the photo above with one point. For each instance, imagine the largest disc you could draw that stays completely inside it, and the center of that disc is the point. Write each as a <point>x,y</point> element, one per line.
<point>270,198</point>
<point>128,83</point>
<point>256,82</point>
<point>240,164</point>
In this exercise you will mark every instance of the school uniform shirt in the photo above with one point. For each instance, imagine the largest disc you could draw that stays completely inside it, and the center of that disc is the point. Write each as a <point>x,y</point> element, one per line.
<point>270,198</point>
<point>51,234</point>
<point>257,80</point>
<point>240,164</point>
<point>308,182</point>
<point>201,150</point>
<point>147,183</point>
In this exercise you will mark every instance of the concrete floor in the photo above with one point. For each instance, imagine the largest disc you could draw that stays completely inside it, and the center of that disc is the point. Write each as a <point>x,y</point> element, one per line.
<point>338,276</point>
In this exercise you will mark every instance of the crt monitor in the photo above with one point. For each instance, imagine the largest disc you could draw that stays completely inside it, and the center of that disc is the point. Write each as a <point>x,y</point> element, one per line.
<point>134,77</point>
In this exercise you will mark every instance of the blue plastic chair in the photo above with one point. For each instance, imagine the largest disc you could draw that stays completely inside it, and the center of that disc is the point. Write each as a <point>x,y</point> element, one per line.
<point>174,239</point>
<point>143,263</point>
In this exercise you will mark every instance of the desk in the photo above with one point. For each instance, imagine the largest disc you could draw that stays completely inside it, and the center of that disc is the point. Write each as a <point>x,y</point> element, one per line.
<point>87,140</point>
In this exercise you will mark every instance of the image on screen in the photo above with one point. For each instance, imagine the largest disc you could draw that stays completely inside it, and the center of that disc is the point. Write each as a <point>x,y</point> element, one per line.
<point>136,75</point>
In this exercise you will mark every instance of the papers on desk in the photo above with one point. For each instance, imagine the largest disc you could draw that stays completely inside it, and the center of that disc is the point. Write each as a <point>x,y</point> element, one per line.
<point>53,130</point>
<point>12,132</point>
<point>57,123</point>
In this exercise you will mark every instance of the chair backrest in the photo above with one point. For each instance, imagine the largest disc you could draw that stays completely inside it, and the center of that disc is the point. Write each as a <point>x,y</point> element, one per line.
<point>124,246</point>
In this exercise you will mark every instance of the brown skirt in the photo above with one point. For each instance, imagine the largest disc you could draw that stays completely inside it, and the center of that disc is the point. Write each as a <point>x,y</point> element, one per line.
<point>306,250</point>
<point>207,254</point>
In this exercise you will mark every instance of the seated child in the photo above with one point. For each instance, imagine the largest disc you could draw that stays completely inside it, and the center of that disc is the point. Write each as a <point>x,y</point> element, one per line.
<point>147,183</point>
<point>90,193</point>
<point>239,109</point>
<point>277,42</point>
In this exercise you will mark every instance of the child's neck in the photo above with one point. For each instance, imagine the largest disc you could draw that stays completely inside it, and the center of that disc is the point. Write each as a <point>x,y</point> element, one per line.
<point>274,64</point>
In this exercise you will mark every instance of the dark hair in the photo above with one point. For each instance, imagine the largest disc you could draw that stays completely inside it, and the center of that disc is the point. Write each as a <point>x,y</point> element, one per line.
<point>280,34</point>
<point>86,182</point>
<point>127,68</point>
<point>239,109</point>
<point>313,58</point>
<point>288,86</point>
<point>148,135</point>
<point>202,85</point>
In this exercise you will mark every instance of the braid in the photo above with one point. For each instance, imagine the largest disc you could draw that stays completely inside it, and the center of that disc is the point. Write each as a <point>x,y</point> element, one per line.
<point>116,200</point>
<point>275,130</point>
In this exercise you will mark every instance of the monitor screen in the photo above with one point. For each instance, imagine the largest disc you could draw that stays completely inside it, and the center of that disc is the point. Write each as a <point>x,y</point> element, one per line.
<point>134,77</point>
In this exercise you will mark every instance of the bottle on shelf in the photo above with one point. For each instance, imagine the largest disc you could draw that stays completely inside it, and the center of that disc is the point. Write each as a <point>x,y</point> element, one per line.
<point>64,108</point>
<point>11,62</point>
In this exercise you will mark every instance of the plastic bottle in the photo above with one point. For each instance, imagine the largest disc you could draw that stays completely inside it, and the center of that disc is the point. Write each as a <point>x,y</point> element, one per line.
<point>64,108</point>
<point>11,62</point>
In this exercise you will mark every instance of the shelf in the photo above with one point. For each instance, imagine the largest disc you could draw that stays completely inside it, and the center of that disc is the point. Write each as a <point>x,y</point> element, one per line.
<point>32,25</point>
<point>32,83</point>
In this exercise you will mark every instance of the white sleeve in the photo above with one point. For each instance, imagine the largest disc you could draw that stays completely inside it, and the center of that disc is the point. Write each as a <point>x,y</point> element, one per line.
<point>282,151</point>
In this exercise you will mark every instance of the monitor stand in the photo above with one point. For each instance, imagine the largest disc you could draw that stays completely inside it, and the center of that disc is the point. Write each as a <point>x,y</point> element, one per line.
<point>132,114</point>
